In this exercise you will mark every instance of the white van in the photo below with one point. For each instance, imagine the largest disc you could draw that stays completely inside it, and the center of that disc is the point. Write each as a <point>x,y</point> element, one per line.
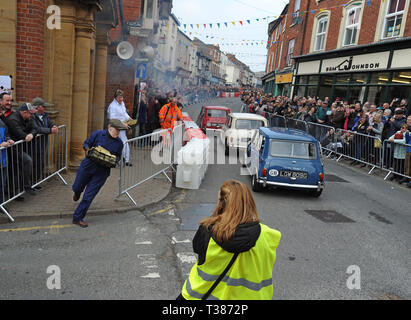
<point>239,129</point>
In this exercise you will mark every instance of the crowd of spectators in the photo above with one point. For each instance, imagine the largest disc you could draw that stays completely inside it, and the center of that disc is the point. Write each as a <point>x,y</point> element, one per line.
<point>152,99</point>
<point>22,165</point>
<point>357,122</point>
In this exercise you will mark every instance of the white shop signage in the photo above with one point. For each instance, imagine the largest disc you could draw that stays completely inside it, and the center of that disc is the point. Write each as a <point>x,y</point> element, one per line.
<point>364,62</point>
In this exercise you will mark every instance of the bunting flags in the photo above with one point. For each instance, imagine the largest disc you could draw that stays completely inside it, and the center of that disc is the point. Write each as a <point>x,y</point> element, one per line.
<point>293,14</point>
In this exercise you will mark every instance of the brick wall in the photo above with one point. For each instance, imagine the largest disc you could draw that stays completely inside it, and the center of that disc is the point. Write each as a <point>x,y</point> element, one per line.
<point>29,49</point>
<point>121,74</point>
<point>368,24</point>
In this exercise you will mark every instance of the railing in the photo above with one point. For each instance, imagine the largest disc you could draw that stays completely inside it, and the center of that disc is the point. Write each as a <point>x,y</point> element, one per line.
<point>394,159</point>
<point>360,148</point>
<point>150,155</point>
<point>25,165</point>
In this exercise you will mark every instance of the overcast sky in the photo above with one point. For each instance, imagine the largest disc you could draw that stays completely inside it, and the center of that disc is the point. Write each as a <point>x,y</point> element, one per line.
<point>245,41</point>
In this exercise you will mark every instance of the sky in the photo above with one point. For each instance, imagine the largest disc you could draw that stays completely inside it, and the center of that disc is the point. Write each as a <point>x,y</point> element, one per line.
<point>248,41</point>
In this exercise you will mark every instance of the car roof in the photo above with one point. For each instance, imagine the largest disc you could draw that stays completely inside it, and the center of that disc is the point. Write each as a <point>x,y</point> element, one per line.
<point>217,107</point>
<point>286,134</point>
<point>250,116</point>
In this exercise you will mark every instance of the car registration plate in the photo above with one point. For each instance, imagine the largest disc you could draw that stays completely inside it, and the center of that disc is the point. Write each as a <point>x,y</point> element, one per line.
<point>294,174</point>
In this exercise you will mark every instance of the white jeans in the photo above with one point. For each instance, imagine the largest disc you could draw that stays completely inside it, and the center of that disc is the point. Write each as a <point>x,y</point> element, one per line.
<point>126,149</point>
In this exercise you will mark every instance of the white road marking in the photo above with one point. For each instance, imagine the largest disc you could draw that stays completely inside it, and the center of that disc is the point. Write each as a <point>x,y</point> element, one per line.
<point>151,275</point>
<point>174,240</point>
<point>187,257</point>
<point>143,242</point>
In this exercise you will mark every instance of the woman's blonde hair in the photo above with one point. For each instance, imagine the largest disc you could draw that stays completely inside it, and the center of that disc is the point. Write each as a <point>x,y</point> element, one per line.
<point>235,206</point>
<point>377,117</point>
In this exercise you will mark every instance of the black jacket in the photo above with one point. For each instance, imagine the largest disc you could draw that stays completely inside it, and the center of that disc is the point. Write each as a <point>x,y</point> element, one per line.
<point>43,125</point>
<point>20,128</point>
<point>245,237</point>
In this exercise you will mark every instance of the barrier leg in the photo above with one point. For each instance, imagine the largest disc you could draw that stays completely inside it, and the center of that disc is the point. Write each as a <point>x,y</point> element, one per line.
<point>131,198</point>
<point>62,179</point>
<point>385,178</point>
<point>167,177</point>
<point>6,213</point>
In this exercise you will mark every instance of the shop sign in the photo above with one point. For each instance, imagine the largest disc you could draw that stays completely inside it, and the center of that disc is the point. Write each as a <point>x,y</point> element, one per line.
<point>365,62</point>
<point>284,78</point>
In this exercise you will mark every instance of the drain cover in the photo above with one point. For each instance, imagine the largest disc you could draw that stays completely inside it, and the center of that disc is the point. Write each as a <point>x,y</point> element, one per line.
<point>333,178</point>
<point>191,217</point>
<point>329,216</point>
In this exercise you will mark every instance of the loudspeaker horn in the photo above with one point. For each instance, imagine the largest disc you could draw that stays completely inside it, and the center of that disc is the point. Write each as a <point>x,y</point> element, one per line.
<point>125,50</point>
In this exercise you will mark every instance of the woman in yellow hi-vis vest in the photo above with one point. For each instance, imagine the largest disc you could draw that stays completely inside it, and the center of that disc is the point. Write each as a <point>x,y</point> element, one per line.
<point>236,253</point>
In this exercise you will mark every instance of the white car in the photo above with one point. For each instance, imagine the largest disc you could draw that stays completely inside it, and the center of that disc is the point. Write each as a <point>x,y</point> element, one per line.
<point>239,129</point>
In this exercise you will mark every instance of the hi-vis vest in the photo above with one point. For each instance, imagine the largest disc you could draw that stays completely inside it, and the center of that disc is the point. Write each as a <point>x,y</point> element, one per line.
<point>249,278</point>
<point>169,115</point>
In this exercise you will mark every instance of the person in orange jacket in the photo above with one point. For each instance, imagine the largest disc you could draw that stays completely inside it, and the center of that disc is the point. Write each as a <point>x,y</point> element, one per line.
<point>169,114</point>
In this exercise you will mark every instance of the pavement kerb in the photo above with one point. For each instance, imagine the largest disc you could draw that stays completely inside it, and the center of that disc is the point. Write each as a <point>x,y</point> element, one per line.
<point>91,212</point>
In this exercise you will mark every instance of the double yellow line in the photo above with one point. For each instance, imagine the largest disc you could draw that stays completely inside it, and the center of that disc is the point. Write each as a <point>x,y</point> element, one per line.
<point>51,228</point>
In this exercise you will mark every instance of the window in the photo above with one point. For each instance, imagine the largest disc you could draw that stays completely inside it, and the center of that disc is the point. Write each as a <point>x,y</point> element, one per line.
<point>214,113</point>
<point>321,33</point>
<point>292,149</point>
<point>297,5</point>
<point>248,124</point>
<point>285,23</point>
<point>352,26</point>
<point>278,63</point>
<point>149,12</point>
<point>290,51</point>
<point>393,18</point>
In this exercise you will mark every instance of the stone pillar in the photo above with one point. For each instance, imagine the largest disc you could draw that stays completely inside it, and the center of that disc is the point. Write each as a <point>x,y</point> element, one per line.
<point>100,78</point>
<point>81,83</point>
<point>63,65</point>
<point>8,31</point>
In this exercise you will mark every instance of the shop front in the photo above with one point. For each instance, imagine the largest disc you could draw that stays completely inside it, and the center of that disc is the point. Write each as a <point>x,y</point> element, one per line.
<point>375,73</point>
<point>283,83</point>
<point>269,82</point>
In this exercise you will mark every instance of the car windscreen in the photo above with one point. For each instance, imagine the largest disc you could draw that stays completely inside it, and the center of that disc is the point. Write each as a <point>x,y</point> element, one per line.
<point>214,113</point>
<point>292,149</point>
<point>248,124</point>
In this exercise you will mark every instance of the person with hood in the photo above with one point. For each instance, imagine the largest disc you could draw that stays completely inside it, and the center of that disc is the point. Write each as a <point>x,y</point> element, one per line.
<point>236,252</point>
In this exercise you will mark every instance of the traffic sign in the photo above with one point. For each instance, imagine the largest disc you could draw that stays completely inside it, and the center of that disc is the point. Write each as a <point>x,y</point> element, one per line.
<point>141,71</point>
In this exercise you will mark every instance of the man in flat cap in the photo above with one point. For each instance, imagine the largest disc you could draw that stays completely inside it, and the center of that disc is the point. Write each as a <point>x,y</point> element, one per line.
<point>92,175</point>
<point>45,126</point>
<point>21,127</point>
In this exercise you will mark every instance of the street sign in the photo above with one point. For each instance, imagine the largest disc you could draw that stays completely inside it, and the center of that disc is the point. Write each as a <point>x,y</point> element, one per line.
<point>141,72</point>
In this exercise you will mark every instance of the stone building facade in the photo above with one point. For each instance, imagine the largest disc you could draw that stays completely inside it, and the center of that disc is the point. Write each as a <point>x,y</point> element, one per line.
<point>61,56</point>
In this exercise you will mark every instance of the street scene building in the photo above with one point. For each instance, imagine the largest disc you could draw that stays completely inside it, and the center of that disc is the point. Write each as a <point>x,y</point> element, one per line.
<point>352,50</point>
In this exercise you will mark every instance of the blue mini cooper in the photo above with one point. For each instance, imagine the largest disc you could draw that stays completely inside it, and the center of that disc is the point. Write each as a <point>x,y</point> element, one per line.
<point>286,158</point>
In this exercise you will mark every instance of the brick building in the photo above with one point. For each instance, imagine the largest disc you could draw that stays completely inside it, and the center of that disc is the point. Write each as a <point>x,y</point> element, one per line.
<point>355,50</point>
<point>56,49</point>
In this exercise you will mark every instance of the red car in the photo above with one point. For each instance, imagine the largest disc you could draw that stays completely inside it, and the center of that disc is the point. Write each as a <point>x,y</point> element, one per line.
<point>212,117</point>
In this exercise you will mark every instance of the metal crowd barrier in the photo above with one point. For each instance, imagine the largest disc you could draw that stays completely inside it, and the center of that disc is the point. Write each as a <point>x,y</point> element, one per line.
<point>150,155</point>
<point>28,164</point>
<point>276,120</point>
<point>366,149</point>
<point>394,159</point>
